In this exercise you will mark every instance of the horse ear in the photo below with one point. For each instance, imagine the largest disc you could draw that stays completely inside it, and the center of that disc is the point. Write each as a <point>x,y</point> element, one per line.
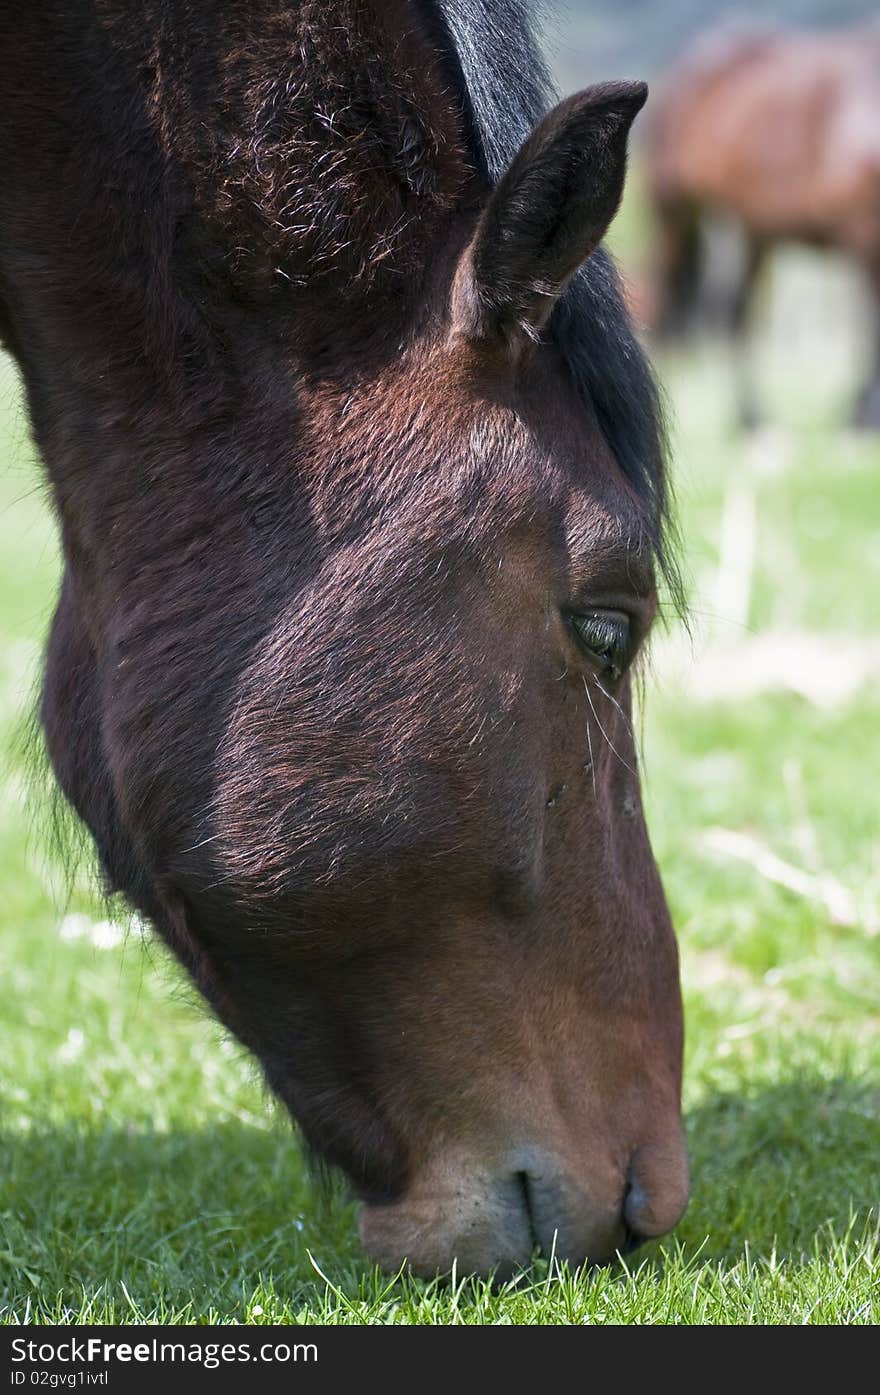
<point>546,216</point>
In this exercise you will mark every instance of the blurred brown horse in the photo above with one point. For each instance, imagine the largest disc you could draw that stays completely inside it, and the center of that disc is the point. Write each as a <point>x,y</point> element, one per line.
<point>781,132</point>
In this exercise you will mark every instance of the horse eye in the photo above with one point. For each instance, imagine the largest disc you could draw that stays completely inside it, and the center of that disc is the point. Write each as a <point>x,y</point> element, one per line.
<point>604,637</point>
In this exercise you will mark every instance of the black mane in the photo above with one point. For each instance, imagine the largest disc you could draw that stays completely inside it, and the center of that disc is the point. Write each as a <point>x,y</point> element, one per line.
<point>505,88</point>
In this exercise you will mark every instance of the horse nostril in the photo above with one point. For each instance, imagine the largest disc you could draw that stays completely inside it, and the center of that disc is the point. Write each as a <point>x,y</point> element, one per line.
<point>562,1220</point>
<point>524,1183</point>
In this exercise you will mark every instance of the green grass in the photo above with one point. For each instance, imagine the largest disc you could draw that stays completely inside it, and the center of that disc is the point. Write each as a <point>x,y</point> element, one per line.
<point>144,1175</point>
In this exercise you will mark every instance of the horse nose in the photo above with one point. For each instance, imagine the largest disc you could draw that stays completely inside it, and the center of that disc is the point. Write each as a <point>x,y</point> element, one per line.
<point>493,1220</point>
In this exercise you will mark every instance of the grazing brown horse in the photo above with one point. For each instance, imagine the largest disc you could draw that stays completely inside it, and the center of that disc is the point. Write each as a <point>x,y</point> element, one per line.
<point>359,477</point>
<point>781,131</point>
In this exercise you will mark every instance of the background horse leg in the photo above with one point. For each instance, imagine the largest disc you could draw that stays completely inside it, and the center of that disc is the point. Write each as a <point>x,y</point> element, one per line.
<point>867,411</point>
<point>679,268</point>
<point>748,408</point>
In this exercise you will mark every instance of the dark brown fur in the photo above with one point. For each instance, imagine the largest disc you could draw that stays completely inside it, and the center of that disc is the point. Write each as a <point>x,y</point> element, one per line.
<point>312,682</point>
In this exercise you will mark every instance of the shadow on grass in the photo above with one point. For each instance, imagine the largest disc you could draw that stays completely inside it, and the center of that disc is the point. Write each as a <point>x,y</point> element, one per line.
<point>193,1217</point>
<point>202,1217</point>
<point>783,1167</point>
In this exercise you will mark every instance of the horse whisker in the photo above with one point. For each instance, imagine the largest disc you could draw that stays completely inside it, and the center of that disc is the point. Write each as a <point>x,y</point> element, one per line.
<point>608,740</point>
<point>611,698</point>
<point>590,749</point>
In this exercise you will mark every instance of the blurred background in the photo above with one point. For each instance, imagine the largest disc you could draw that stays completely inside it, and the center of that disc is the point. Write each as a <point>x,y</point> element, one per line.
<point>761,761</point>
<point>596,39</point>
